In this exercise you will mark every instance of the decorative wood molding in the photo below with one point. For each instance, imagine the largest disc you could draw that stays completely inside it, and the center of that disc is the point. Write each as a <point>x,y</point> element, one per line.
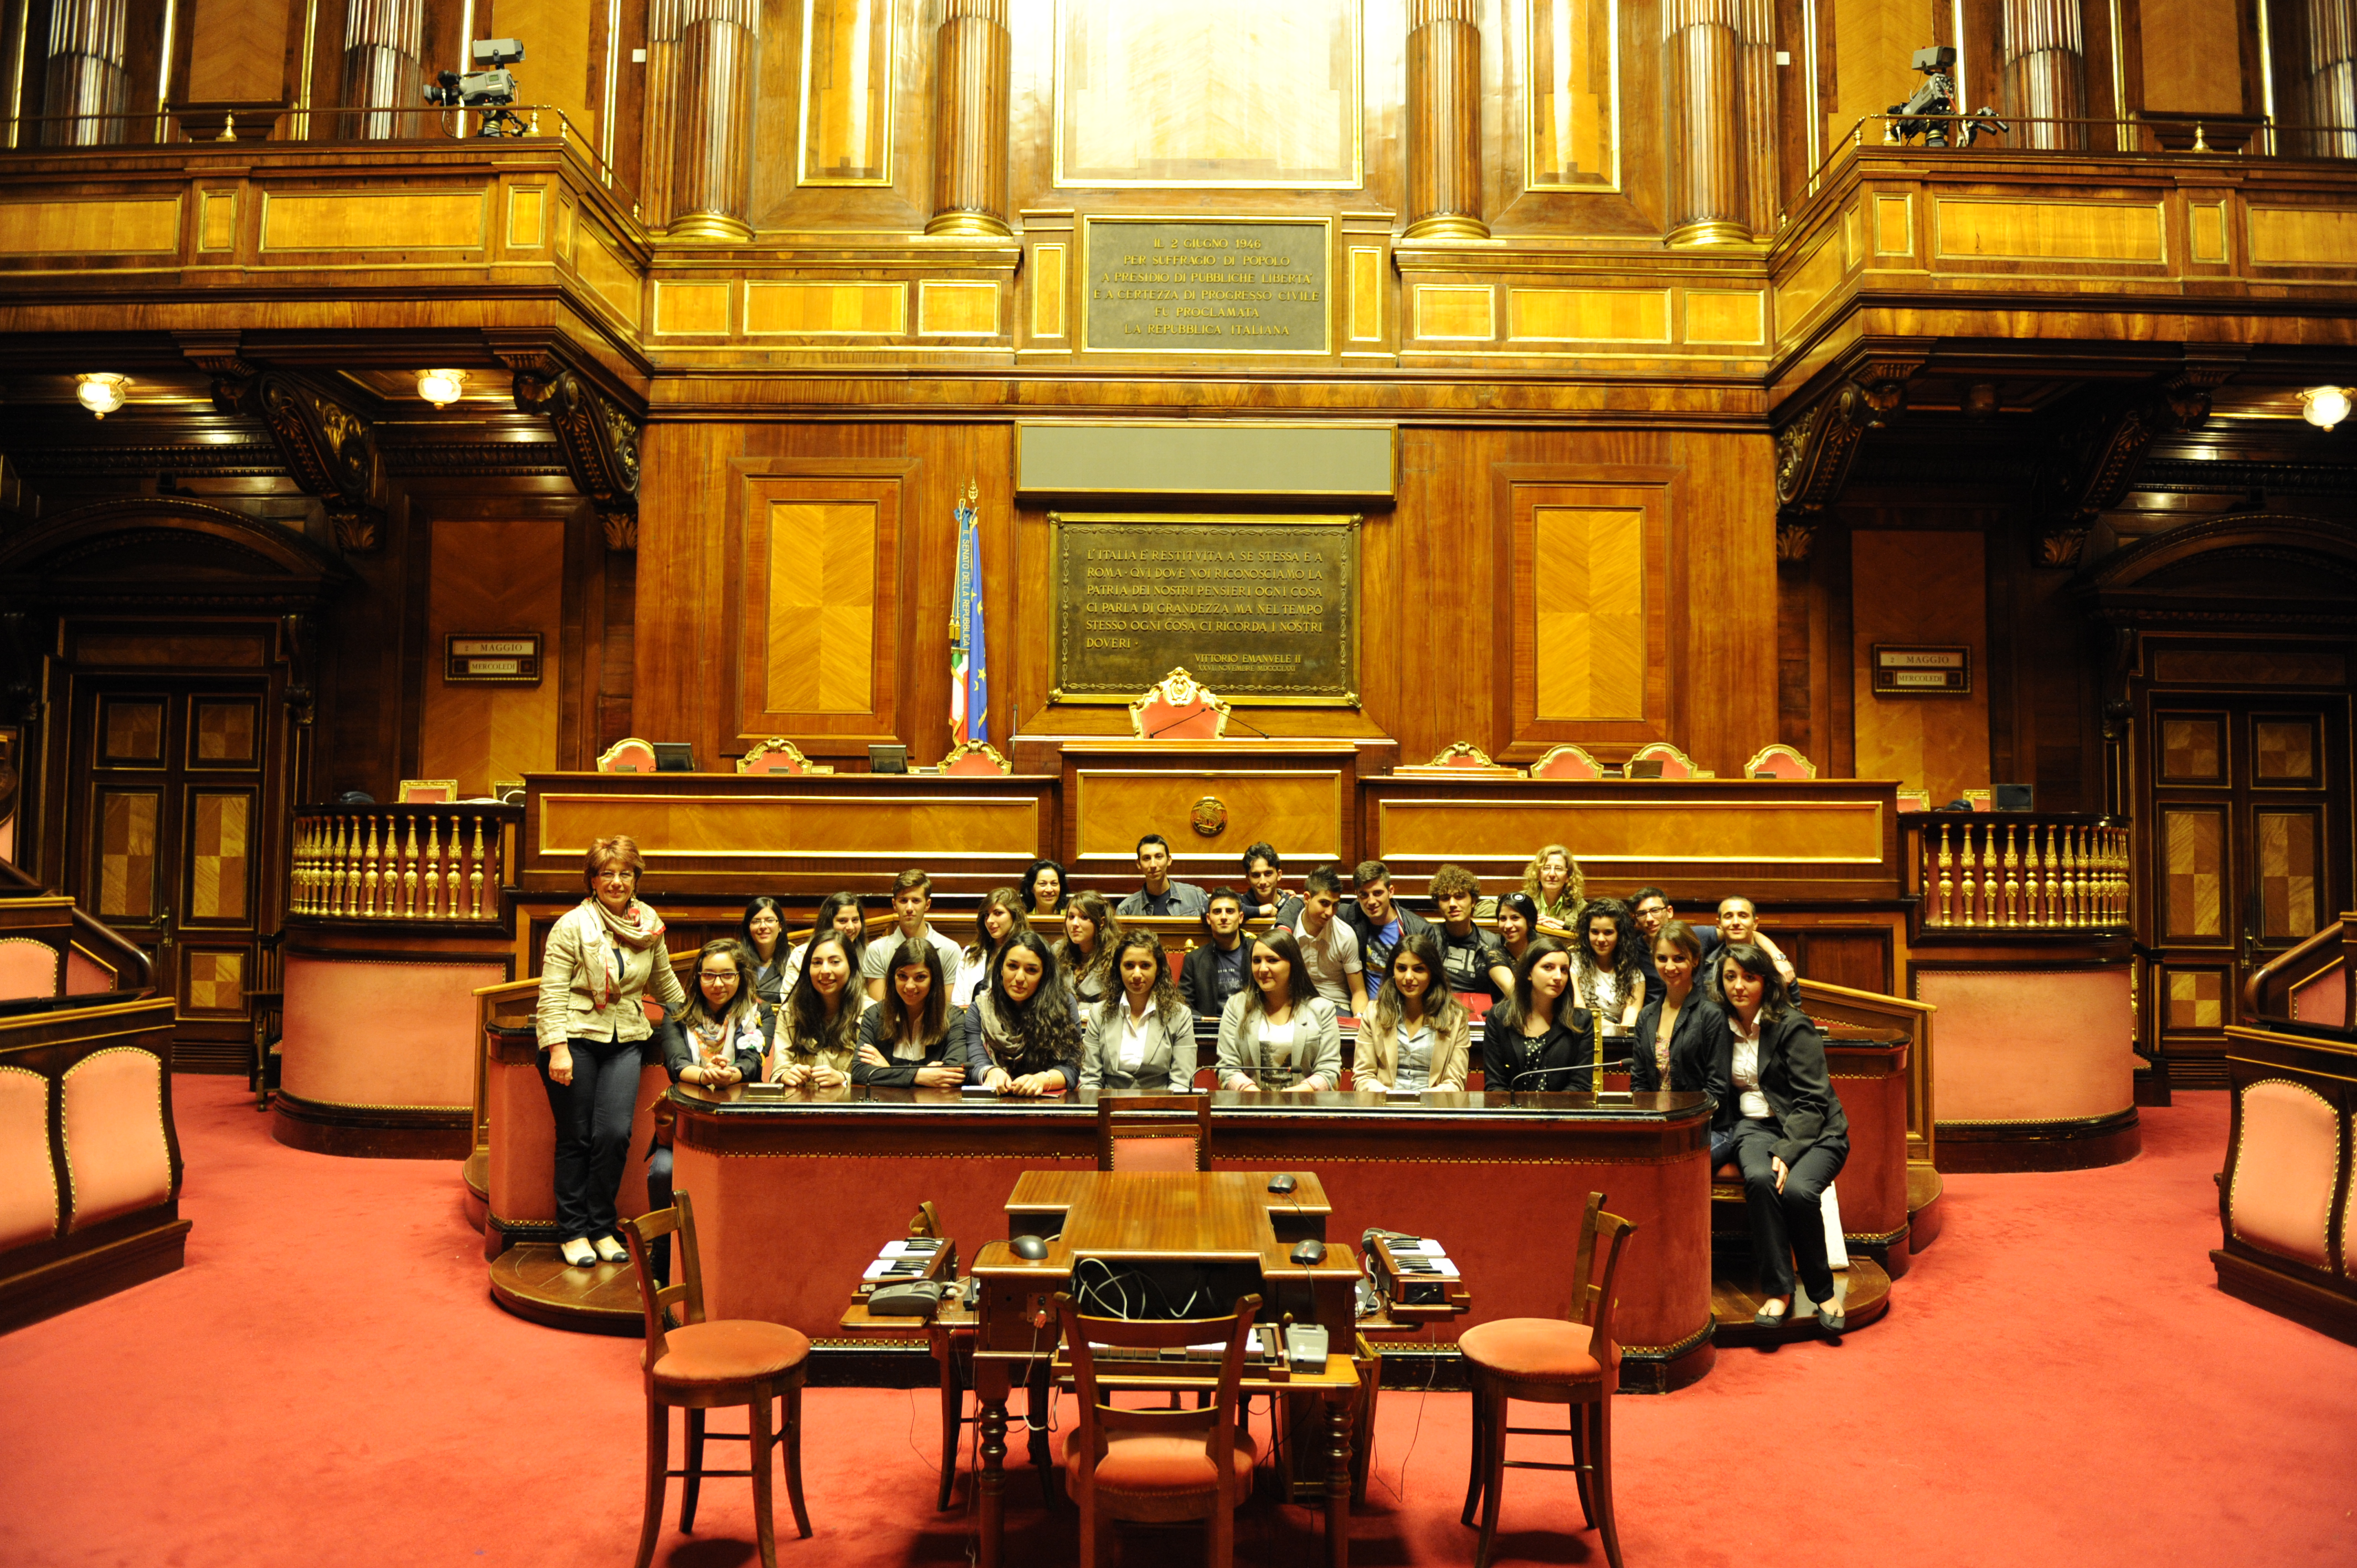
<point>1794,542</point>
<point>330,451</point>
<point>2099,450</point>
<point>1815,452</point>
<point>598,437</point>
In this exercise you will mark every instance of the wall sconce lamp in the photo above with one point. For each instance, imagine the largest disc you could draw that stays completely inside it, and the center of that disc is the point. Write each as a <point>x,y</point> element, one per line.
<point>2324,407</point>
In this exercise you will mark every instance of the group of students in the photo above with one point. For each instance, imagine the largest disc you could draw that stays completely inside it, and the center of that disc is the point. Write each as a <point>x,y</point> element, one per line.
<point>1052,993</point>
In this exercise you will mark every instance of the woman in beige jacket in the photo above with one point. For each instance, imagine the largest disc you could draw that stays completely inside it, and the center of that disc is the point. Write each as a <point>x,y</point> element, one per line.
<point>602,958</point>
<point>1415,1035</point>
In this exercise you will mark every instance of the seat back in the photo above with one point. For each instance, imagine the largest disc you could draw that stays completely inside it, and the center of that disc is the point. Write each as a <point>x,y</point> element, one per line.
<point>1567,761</point>
<point>1100,1417</point>
<point>974,759</point>
<point>1780,761</point>
<point>1153,1132</point>
<point>1675,764</point>
<point>629,755</point>
<point>778,755</point>
<point>1178,707</point>
<point>1594,1267</point>
<point>686,1289</point>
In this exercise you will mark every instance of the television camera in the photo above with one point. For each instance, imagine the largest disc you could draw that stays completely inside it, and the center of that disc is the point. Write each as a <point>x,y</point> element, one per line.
<point>490,87</point>
<point>1932,113</point>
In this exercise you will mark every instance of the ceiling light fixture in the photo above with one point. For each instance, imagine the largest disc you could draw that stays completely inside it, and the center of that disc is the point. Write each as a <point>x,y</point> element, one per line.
<point>2324,407</point>
<point>101,392</point>
<point>441,388</point>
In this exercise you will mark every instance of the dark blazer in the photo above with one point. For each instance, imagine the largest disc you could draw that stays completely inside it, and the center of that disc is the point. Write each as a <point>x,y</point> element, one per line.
<point>1793,1079</point>
<point>948,1050</point>
<point>678,1053</point>
<point>770,984</point>
<point>976,1048</point>
<point>1195,976</point>
<point>1695,1048</point>
<point>1563,1059</point>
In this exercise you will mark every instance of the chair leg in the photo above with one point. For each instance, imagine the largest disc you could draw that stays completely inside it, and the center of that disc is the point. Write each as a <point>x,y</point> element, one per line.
<point>765,1529</point>
<point>1220,1536</point>
<point>794,1456</point>
<point>1478,1466</point>
<point>658,1463</point>
<point>1493,1475</point>
<point>1362,1439</point>
<point>690,1487</point>
<point>1580,1457</point>
<point>1605,1523</point>
<point>953,1408</point>
<point>1090,1543</point>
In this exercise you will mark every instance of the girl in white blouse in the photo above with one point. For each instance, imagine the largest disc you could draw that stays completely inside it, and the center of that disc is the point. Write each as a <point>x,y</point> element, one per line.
<point>1604,965</point>
<point>1415,1036</point>
<point>1279,1026</point>
<point>1145,1037</point>
<point>1000,917</point>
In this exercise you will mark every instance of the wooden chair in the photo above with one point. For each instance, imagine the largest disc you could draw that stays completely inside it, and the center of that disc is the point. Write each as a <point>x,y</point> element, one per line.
<point>629,755</point>
<point>1156,1466</point>
<point>1780,761</point>
<point>1461,758</point>
<point>1544,1360</point>
<point>1178,707</point>
<point>1153,1133</point>
<point>700,1365</point>
<point>1675,764</point>
<point>975,759</point>
<point>1567,761</point>
<point>778,755</point>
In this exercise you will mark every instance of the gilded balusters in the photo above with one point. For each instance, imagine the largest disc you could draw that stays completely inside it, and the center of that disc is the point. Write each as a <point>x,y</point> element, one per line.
<point>370,861</point>
<point>2012,878</point>
<point>475,878</point>
<point>1970,884</point>
<point>432,870</point>
<point>2054,861</point>
<point>409,872</point>
<point>1947,879</point>
<point>453,882</point>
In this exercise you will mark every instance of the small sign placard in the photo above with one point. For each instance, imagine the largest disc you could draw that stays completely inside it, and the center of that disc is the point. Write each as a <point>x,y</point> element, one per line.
<point>1910,670</point>
<point>504,658</point>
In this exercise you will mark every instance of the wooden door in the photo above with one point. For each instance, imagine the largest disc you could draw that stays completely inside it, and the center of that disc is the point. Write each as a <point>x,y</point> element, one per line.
<point>172,797</point>
<point>2249,852</point>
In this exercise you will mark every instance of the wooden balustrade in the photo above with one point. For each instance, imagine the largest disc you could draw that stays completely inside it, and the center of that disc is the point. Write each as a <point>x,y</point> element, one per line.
<point>2012,871</point>
<point>402,863</point>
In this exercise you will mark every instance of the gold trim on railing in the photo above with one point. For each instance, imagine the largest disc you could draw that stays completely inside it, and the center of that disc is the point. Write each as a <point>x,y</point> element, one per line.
<point>411,862</point>
<point>1982,874</point>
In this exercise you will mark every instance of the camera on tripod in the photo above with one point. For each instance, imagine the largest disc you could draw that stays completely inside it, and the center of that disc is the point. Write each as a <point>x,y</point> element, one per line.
<point>490,87</point>
<point>1932,113</point>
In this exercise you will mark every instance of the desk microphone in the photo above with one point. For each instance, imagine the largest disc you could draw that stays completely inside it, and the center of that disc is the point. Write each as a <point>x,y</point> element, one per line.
<point>1515,1082</point>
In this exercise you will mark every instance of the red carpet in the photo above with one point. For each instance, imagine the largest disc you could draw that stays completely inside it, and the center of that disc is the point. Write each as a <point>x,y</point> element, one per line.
<point>2059,1382</point>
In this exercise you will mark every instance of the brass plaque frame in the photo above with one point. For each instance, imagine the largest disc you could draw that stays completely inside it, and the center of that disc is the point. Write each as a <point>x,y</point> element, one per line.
<point>1340,690</point>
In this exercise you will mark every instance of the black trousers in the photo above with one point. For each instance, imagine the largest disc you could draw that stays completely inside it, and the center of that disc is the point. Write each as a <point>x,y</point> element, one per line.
<point>593,1133</point>
<point>659,1198</point>
<point>1788,1228</point>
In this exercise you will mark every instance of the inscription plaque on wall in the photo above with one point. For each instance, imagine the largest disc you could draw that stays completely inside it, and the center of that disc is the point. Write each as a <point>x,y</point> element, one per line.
<point>1261,608</point>
<point>1205,286</point>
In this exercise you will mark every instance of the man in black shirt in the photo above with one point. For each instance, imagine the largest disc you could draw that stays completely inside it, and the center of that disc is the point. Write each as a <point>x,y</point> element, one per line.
<point>1160,896</point>
<point>1266,898</point>
<point>1220,964</point>
<point>1475,963</point>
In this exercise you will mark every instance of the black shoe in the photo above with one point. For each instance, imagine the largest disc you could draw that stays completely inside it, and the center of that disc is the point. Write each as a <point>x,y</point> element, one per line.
<point>1831,1320</point>
<point>1764,1318</point>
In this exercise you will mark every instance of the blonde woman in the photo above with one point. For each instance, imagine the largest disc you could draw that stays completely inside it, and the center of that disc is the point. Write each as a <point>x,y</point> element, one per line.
<point>602,955</point>
<point>1554,882</point>
<point>1416,1035</point>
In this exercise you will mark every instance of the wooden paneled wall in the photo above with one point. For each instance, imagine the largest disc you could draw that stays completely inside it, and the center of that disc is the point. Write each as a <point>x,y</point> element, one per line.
<point>1528,587</point>
<point>493,577</point>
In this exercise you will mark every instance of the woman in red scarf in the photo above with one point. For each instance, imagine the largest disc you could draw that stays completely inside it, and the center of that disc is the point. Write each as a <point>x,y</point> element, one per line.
<point>602,958</point>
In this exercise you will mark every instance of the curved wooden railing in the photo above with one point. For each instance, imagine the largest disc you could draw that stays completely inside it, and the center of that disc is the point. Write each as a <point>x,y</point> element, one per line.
<point>2018,871</point>
<point>101,944</point>
<point>403,863</point>
<point>2270,990</point>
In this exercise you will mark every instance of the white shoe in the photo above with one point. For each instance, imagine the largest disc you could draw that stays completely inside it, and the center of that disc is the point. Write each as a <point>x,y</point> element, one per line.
<point>610,1251</point>
<point>579,1253</point>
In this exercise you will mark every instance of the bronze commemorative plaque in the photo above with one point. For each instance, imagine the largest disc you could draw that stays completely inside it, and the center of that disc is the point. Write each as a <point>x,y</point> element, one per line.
<point>1206,286</point>
<point>1259,608</point>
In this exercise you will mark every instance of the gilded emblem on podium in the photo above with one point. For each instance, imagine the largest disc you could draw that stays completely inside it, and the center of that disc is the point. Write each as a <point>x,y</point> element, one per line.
<point>1210,816</point>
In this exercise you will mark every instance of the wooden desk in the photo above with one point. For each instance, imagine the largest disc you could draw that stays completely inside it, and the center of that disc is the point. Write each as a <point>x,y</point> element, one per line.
<point>1220,1219</point>
<point>792,1194</point>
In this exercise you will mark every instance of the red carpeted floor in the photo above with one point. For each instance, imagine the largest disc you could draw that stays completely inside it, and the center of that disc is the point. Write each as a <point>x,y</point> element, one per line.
<point>2059,1382</point>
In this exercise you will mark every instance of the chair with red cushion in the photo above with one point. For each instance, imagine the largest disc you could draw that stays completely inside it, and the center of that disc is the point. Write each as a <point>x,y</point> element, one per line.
<point>1567,761</point>
<point>1549,1361</point>
<point>629,755</point>
<point>1178,707</point>
<point>1153,1132</point>
<point>700,1365</point>
<point>1155,1466</point>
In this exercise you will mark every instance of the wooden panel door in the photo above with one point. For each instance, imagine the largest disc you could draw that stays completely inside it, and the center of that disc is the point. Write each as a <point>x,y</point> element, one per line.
<point>2249,853</point>
<point>171,795</point>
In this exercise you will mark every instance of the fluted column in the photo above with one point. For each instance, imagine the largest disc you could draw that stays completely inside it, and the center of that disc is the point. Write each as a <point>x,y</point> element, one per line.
<point>1762,182</point>
<point>1703,72</point>
<point>87,76</point>
<point>384,67</point>
<point>972,50</point>
<point>715,51</point>
<point>1443,121</point>
<point>2328,77</point>
<point>2044,45</point>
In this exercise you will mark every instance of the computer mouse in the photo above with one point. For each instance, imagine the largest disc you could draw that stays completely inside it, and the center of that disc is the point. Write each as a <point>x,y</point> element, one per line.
<point>1029,1247</point>
<point>1281,1182</point>
<point>1310,1252</point>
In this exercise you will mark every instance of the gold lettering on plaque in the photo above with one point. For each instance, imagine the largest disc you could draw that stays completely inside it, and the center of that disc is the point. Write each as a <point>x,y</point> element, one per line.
<point>1207,285</point>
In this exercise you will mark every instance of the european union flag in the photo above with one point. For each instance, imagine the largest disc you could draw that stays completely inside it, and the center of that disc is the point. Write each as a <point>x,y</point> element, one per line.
<point>969,654</point>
